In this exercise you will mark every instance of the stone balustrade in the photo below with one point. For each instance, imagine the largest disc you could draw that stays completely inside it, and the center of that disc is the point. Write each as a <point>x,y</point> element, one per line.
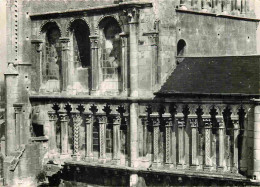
<point>196,136</point>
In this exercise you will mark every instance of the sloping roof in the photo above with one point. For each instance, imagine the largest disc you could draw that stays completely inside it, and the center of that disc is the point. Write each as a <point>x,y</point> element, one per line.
<point>218,75</point>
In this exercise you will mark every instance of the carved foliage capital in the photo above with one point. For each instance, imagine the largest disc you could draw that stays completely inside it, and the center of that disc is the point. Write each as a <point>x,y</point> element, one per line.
<point>117,120</point>
<point>132,14</point>
<point>76,118</point>
<point>194,122</point>
<point>89,118</point>
<point>102,119</point>
<point>52,116</point>
<point>155,121</point>
<point>180,122</point>
<point>64,117</point>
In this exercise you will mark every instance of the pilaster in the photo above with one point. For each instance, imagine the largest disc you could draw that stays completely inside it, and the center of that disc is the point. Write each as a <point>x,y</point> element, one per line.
<point>94,64</point>
<point>66,76</point>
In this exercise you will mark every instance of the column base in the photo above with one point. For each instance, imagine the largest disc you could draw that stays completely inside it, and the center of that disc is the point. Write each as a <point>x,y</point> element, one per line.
<point>168,165</point>
<point>116,161</point>
<point>76,157</point>
<point>220,169</point>
<point>102,160</point>
<point>183,7</point>
<point>156,164</point>
<point>207,168</point>
<point>194,167</point>
<point>180,166</point>
<point>64,156</point>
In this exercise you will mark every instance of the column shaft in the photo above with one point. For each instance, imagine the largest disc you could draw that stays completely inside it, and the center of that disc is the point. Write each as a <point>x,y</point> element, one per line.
<point>52,138</point>
<point>133,134</point>
<point>168,131</point>
<point>194,143</point>
<point>181,126</point>
<point>124,71</point>
<point>64,134</point>
<point>89,138</point>
<point>94,63</point>
<point>102,120</point>
<point>256,171</point>
<point>116,139</point>
<point>66,75</point>
<point>17,126</point>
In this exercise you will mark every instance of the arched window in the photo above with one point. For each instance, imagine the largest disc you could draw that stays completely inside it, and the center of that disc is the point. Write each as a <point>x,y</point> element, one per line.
<point>181,47</point>
<point>80,62</point>
<point>110,55</point>
<point>51,53</point>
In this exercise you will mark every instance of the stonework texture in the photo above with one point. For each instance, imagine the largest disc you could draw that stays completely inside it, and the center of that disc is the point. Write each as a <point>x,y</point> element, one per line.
<point>131,93</point>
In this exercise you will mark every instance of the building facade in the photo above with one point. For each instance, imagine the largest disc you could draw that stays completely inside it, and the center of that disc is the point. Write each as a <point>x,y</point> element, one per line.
<point>132,93</point>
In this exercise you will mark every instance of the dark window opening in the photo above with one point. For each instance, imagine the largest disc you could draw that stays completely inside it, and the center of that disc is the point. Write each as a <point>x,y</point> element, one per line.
<point>181,47</point>
<point>95,137</point>
<point>109,138</point>
<point>37,130</point>
<point>81,43</point>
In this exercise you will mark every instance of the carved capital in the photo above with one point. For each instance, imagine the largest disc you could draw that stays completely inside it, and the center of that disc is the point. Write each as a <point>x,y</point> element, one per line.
<point>89,119</point>
<point>64,117</point>
<point>180,122</point>
<point>64,43</point>
<point>123,37</point>
<point>168,122</point>
<point>193,122</point>
<point>76,118</point>
<point>153,37</point>
<point>235,124</point>
<point>101,119</point>
<point>133,15</point>
<point>220,121</point>
<point>37,44</point>
<point>117,120</point>
<point>155,121</point>
<point>52,116</point>
<point>207,122</point>
<point>94,42</point>
<point>17,109</point>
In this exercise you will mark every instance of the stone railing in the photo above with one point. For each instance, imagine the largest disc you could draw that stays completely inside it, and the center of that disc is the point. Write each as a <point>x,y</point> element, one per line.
<point>174,136</point>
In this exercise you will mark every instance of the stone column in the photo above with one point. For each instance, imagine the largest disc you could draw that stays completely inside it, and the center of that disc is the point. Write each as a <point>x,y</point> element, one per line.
<point>204,6</point>
<point>154,44</point>
<point>243,7</point>
<point>77,120</point>
<point>168,132</point>
<point>124,60</point>
<point>38,61</point>
<point>208,141</point>
<point>228,7</point>
<point>64,133</point>
<point>89,137</point>
<point>221,131</point>
<point>11,95</point>
<point>133,134</point>
<point>18,124</point>
<point>94,64</point>
<point>194,142</point>
<point>116,139</point>
<point>181,126</point>
<point>256,166</point>
<point>66,76</point>
<point>235,145</point>
<point>52,138</point>
<point>102,120</point>
<point>156,130</point>
<point>133,15</point>
<point>145,123</point>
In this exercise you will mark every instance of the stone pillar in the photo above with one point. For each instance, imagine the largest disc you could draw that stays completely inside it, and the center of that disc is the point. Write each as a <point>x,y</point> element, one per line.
<point>181,126</point>
<point>94,64</point>
<point>116,139</point>
<point>133,135</point>
<point>18,124</point>
<point>228,7</point>
<point>204,6</point>
<point>64,133</point>
<point>37,44</point>
<point>194,142</point>
<point>256,166</point>
<point>102,120</point>
<point>52,138</point>
<point>168,132</point>
<point>133,15</point>
<point>156,130</point>
<point>208,141</point>
<point>77,120</point>
<point>124,60</point>
<point>154,44</point>
<point>11,96</point>
<point>66,76</point>
<point>145,123</point>
<point>235,145</point>
<point>89,137</point>
<point>221,131</point>
<point>243,7</point>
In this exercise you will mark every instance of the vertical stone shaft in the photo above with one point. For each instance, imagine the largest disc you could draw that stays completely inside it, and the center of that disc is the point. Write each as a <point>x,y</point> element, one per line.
<point>181,126</point>
<point>18,124</point>
<point>235,146</point>
<point>102,120</point>
<point>145,123</point>
<point>76,123</point>
<point>38,60</point>
<point>221,142</point>
<point>94,63</point>
<point>116,138</point>
<point>243,6</point>
<point>256,165</point>
<point>52,138</point>
<point>124,72</point>
<point>133,15</point>
<point>208,143</point>
<point>11,95</point>
<point>133,134</point>
<point>89,138</point>
<point>154,45</point>
<point>66,75</point>
<point>194,143</point>
<point>168,127</point>
<point>64,134</point>
<point>156,124</point>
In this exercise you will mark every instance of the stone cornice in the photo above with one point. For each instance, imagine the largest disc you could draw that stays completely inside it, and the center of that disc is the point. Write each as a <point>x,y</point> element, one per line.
<point>91,10</point>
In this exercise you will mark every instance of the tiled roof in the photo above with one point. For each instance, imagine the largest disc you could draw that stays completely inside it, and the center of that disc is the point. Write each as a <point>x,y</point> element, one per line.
<point>219,75</point>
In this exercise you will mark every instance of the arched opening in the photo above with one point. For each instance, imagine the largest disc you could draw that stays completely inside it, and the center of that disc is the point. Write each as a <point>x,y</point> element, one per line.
<point>51,57</point>
<point>81,43</point>
<point>110,55</point>
<point>80,62</point>
<point>181,48</point>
